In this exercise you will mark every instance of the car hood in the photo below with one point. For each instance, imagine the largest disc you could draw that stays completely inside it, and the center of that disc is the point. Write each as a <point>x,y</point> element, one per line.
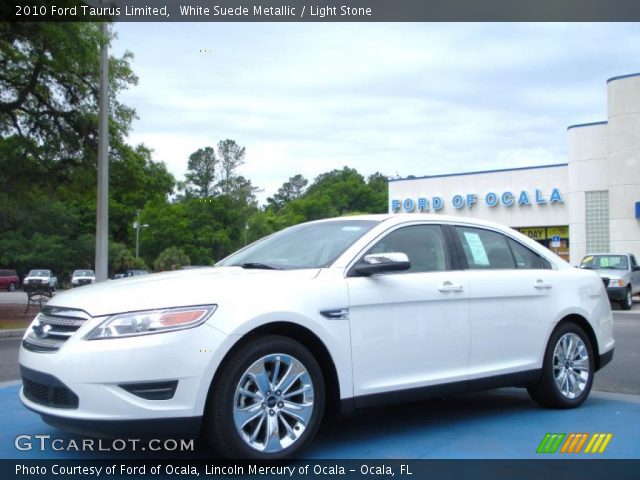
<point>177,289</point>
<point>610,273</point>
<point>37,278</point>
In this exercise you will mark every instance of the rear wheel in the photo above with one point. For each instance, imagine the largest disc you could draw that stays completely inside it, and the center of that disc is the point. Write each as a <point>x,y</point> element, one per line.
<point>627,302</point>
<point>267,402</point>
<point>567,370</point>
<point>11,287</point>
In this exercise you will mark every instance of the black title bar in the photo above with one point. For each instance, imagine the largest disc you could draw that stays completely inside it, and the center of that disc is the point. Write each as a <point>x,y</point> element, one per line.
<point>322,11</point>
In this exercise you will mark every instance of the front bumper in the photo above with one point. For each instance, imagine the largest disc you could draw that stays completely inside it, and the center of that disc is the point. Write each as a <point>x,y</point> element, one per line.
<point>617,294</point>
<point>94,373</point>
<point>605,359</point>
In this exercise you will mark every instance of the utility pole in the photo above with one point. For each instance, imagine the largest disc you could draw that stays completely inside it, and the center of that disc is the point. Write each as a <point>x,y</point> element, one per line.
<point>102,215</point>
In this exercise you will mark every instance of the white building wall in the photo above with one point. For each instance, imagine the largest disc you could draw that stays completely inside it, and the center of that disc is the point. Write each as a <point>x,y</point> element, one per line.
<point>588,171</point>
<point>544,179</point>
<point>623,94</point>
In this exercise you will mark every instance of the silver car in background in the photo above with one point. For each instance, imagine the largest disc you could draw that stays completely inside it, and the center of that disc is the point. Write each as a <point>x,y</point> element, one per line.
<point>82,277</point>
<point>620,273</point>
<point>40,278</point>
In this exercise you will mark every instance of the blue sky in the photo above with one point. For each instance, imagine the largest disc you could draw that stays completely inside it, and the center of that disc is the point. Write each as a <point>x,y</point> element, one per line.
<point>402,99</point>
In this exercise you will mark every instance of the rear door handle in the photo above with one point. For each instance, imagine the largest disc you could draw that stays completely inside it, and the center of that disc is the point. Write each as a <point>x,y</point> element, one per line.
<point>450,287</point>
<point>542,285</point>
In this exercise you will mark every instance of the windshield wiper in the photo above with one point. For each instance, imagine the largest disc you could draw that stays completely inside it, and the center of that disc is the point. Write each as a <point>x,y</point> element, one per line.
<point>263,266</point>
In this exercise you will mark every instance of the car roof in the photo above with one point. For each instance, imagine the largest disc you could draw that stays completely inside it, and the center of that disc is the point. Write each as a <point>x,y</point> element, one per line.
<point>396,218</point>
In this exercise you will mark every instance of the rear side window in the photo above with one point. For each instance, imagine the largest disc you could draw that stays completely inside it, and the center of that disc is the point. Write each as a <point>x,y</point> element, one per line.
<point>526,258</point>
<point>484,249</point>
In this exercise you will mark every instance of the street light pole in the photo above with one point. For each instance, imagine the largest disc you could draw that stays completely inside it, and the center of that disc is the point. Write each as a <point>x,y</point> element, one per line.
<point>137,226</point>
<point>102,214</point>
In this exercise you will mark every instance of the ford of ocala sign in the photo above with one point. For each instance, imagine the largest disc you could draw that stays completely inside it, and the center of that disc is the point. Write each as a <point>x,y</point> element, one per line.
<point>490,199</point>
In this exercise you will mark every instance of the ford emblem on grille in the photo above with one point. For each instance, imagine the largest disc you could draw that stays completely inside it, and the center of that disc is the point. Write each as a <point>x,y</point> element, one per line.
<point>42,330</point>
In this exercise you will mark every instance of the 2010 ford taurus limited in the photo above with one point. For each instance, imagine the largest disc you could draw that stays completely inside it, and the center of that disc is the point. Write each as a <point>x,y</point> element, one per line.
<point>350,312</point>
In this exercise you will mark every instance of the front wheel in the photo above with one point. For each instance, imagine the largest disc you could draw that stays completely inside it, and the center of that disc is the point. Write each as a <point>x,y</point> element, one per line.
<point>267,402</point>
<point>567,370</point>
<point>627,302</point>
<point>12,287</point>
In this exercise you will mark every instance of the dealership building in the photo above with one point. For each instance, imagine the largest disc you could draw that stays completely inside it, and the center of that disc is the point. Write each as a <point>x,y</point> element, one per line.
<point>590,204</point>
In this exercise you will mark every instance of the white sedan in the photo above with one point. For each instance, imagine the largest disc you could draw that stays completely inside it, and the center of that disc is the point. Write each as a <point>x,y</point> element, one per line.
<point>345,313</point>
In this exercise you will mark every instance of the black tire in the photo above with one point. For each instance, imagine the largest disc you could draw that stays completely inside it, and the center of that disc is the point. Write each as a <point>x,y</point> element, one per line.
<point>219,427</point>
<point>627,302</point>
<point>546,390</point>
<point>11,287</point>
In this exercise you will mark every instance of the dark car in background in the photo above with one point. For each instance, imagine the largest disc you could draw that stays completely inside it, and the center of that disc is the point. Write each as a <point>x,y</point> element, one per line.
<point>135,273</point>
<point>129,273</point>
<point>9,280</point>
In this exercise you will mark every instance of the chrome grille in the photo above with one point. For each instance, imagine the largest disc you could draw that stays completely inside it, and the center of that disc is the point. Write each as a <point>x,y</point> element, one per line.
<point>53,326</point>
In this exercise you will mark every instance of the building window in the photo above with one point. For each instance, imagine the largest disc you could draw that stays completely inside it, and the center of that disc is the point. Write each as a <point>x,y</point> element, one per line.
<point>597,221</point>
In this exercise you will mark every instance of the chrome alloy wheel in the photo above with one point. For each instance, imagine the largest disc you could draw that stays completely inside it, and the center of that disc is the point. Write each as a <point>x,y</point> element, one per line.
<point>273,403</point>
<point>571,365</point>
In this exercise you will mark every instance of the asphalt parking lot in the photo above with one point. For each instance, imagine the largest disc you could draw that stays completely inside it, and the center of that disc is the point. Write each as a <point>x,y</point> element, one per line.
<point>502,424</point>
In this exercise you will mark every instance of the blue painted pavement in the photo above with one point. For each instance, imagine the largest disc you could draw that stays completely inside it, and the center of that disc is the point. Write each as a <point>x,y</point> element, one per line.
<point>500,424</point>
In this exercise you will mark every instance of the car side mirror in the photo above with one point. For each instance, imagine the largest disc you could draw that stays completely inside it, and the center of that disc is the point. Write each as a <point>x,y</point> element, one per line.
<point>382,263</point>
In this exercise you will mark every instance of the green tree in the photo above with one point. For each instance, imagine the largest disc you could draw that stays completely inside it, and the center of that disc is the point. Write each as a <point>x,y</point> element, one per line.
<point>379,186</point>
<point>290,190</point>
<point>121,258</point>
<point>231,157</point>
<point>201,176</point>
<point>49,76</point>
<point>346,190</point>
<point>173,258</point>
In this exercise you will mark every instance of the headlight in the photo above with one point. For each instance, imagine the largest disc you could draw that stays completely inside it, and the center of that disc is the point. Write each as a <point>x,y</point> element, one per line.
<point>616,282</point>
<point>151,321</point>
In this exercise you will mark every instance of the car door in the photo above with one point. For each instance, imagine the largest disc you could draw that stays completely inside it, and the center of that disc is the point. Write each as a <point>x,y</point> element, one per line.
<point>511,296</point>
<point>635,274</point>
<point>409,329</point>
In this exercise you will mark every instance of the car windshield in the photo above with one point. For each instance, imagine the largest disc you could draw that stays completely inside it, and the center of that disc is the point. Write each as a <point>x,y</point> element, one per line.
<point>310,245</point>
<point>38,273</point>
<point>83,273</point>
<point>612,262</point>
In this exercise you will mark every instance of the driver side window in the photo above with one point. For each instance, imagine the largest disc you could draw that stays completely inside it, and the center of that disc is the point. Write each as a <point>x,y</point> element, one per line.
<point>423,244</point>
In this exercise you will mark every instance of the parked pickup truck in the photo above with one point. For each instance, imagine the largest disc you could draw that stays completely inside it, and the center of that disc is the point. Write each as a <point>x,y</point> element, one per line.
<point>40,277</point>
<point>621,275</point>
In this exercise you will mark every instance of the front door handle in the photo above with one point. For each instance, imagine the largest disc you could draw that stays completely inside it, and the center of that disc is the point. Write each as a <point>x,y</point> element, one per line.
<point>450,287</point>
<point>542,285</point>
